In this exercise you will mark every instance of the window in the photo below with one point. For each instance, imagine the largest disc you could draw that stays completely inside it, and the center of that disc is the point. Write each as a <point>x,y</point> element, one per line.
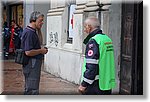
<point>70,32</point>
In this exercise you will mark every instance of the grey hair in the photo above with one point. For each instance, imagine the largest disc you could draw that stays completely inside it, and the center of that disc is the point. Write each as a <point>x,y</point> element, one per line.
<point>34,16</point>
<point>93,21</point>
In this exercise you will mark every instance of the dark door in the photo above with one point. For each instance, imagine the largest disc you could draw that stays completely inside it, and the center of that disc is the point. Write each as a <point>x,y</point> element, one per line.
<point>17,13</point>
<point>131,71</point>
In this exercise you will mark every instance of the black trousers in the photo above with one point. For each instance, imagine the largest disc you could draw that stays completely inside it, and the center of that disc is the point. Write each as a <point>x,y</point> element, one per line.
<point>32,72</point>
<point>93,89</point>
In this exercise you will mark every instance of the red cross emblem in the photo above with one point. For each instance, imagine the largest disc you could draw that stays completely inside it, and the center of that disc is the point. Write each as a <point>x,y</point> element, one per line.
<point>90,52</point>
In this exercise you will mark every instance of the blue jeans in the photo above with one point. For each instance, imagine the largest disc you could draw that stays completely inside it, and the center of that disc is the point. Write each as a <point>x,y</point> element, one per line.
<point>32,72</point>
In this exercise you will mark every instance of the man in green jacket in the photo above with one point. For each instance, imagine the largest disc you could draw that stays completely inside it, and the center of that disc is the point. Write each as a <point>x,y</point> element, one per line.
<point>98,72</point>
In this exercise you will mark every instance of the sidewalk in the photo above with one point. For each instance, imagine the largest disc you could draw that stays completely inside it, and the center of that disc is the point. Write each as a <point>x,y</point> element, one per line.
<point>49,84</point>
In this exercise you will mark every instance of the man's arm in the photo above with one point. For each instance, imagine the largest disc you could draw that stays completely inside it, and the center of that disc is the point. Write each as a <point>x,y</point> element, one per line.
<point>92,59</point>
<point>36,52</point>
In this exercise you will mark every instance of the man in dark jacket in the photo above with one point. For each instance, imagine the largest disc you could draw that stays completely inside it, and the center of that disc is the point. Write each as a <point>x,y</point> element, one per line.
<point>98,74</point>
<point>6,39</point>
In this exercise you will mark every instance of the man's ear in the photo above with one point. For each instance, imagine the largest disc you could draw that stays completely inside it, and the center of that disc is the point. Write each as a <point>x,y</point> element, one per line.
<point>90,27</point>
<point>34,23</point>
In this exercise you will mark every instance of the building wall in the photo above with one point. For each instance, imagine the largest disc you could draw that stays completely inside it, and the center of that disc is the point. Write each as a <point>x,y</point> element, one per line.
<point>115,34</point>
<point>28,9</point>
<point>64,59</point>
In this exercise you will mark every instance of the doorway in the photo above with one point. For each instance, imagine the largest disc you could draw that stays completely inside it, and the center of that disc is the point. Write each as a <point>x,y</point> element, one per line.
<point>131,69</point>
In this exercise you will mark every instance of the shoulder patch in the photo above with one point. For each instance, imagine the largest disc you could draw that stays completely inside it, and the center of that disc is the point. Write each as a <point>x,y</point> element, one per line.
<point>90,52</point>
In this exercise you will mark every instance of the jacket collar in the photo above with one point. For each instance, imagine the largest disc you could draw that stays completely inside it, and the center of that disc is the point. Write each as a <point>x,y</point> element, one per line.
<point>93,33</point>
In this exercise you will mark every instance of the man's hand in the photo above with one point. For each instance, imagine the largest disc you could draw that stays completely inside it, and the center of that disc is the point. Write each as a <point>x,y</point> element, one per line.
<point>44,50</point>
<point>81,89</point>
